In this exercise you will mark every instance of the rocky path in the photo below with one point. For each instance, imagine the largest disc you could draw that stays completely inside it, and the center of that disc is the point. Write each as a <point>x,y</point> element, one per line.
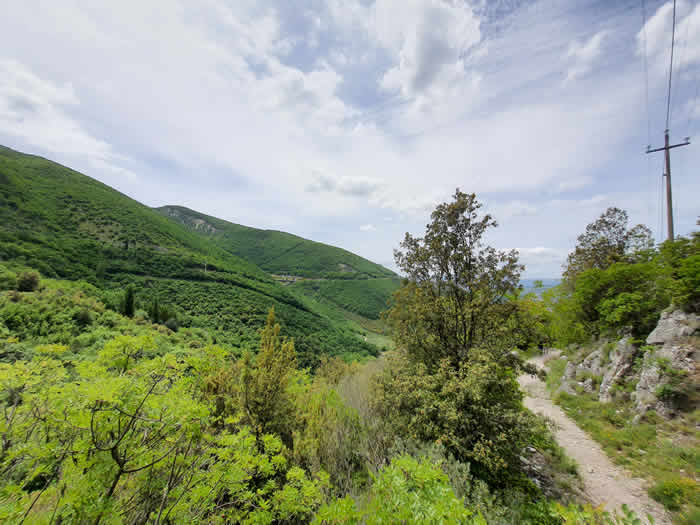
<point>604,483</point>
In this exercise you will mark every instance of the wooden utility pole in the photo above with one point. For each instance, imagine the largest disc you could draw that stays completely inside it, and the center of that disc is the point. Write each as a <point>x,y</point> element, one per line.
<point>669,198</point>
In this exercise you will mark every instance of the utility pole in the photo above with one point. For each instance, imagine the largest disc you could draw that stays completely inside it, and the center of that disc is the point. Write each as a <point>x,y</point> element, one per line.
<point>669,198</point>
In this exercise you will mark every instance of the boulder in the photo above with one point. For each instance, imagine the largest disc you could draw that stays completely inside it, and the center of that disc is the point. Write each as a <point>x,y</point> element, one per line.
<point>621,357</point>
<point>673,325</point>
<point>678,357</point>
<point>649,381</point>
<point>593,363</point>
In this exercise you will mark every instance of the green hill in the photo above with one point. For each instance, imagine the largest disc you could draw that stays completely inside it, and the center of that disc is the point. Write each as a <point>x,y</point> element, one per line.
<point>70,226</point>
<point>278,252</point>
<point>365,297</point>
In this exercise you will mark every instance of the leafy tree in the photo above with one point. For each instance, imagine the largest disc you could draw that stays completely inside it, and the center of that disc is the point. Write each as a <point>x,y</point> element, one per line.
<point>475,411</point>
<point>27,281</point>
<point>455,296</point>
<point>606,241</point>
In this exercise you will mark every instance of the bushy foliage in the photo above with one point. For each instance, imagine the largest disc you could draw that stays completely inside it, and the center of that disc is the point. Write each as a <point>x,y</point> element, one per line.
<point>609,287</point>
<point>407,491</point>
<point>454,298</point>
<point>474,410</point>
<point>28,281</point>
<point>606,241</point>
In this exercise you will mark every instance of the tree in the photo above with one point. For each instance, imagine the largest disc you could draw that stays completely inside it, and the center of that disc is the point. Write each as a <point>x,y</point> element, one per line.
<point>264,383</point>
<point>129,302</point>
<point>454,298</point>
<point>606,241</point>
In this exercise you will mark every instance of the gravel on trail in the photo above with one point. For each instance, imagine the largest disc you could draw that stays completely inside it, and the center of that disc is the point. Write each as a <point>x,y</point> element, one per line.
<point>604,483</point>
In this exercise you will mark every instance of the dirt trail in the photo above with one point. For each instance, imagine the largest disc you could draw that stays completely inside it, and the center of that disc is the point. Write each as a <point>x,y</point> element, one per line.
<point>604,482</point>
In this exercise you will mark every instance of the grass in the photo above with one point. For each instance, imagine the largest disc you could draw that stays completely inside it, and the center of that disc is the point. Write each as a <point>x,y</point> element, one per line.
<point>666,452</point>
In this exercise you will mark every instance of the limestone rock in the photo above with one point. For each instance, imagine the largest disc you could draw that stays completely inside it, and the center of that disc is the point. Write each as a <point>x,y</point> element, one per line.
<point>570,371</point>
<point>649,380</point>
<point>588,385</point>
<point>679,357</point>
<point>592,363</point>
<point>673,325</point>
<point>621,358</point>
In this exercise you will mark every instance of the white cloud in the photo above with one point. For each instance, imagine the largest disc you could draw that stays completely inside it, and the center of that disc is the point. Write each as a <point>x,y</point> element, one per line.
<point>36,112</point>
<point>583,55</point>
<point>227,107</point>
<point>345,186</point>
<point>367,228</point>
<point>656,36</point>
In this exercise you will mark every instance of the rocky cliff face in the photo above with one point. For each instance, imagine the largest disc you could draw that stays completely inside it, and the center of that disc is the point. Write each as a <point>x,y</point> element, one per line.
<point>661,375</point>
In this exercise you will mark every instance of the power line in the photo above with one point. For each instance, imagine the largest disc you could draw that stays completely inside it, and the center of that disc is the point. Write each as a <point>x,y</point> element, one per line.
<point>646,68</point>
<point>670,69</point>
<point>679,63</point>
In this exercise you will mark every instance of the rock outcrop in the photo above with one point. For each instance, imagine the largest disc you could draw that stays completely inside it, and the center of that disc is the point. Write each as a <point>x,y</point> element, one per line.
<point>672,326</point>
<point>672,358</point>
<point>671,363</point>
<point>621,359</point>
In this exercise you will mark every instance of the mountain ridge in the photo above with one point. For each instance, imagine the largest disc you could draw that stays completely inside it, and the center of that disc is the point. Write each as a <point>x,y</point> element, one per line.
<point>275,251</point>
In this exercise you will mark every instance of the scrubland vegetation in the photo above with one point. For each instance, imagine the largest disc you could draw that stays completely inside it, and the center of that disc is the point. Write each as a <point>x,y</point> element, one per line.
<point>151,371</point>
<point>113,417</point>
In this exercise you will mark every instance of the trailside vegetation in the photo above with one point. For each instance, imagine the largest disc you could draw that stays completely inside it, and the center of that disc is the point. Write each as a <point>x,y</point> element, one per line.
<point>616,284</point>
<point>107,418</point>
<point>615,280</point>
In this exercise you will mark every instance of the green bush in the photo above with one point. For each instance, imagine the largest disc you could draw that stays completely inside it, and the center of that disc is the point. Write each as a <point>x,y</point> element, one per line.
<point>408,490</point>
<point>8,279</point>
<point>28,281</point>
<point>674,494</point>
<point>475,411</point>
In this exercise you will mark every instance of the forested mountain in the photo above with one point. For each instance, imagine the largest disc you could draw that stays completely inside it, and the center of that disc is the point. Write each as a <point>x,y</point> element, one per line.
<point>278,252</point>
<point>68,225</point>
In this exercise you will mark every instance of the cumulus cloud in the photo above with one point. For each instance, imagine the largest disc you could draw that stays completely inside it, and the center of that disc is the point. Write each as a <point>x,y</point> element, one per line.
<point>367,228</point>
<point>428,39</point>
<point>231,106</point>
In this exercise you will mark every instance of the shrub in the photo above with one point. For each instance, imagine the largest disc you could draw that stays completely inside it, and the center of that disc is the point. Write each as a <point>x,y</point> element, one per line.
<point>28,281</point>
<point>475,411</point>
<point>406,491</point>
<point>8,280</point>
<point>83,317</point>
<point>673,494</point>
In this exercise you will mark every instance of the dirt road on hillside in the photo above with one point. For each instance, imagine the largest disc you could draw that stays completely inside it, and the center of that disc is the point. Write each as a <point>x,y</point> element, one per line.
<point>604,482</point>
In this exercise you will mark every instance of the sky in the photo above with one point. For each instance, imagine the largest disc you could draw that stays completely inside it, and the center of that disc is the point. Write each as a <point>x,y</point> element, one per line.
<point>347,121</point>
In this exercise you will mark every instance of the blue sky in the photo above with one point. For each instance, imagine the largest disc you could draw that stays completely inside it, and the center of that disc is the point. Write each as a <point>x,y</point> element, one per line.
<point>347,121</point>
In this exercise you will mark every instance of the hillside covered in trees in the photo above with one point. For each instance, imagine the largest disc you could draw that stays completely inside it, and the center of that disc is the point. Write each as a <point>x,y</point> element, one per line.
<point>67,225</point>
<point>278,252</point>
